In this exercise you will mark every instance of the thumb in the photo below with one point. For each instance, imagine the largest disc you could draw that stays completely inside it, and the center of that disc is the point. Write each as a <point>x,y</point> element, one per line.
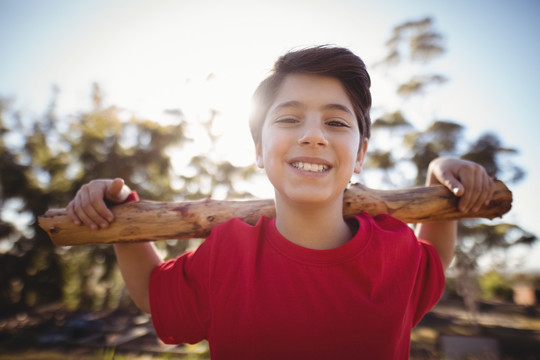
<point>455,186</point>
<point>114,190</point>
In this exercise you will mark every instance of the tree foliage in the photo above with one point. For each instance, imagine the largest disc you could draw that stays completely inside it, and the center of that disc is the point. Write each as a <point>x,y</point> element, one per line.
<point>412,42</point>
<point>417,148</point>
<point>44,160</point>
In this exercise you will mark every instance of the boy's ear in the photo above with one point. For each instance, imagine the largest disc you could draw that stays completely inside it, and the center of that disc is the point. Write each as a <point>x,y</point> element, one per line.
<point>361,156</point>
<point>258,156</point>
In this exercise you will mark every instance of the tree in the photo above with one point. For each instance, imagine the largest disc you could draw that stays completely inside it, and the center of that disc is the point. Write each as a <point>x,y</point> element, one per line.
<point>45,160</point>
<point>424,44</point>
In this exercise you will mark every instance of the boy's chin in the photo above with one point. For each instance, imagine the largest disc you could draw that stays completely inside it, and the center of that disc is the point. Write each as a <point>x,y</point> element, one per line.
<point>310,197</point>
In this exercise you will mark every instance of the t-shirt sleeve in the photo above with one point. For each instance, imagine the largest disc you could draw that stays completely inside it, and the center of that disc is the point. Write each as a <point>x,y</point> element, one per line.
<point>429,284</point>
<point>179,301</point>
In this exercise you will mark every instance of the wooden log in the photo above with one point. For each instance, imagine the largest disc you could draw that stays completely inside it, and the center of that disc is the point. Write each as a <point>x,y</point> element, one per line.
<point>153,221</point>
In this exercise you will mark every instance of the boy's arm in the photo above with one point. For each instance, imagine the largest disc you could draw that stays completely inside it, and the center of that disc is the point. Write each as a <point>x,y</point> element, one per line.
<point>136,261</point>
<point>465,179</point>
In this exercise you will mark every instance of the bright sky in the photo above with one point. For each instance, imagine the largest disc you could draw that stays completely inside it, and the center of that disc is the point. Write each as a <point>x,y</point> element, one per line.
<point>154,55</point>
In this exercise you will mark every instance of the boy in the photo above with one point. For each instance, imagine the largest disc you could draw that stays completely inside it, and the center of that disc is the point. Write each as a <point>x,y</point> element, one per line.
<point>307,284</point>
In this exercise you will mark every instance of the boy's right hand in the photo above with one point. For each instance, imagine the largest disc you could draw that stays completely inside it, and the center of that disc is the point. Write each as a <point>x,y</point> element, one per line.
<point>89,207</point>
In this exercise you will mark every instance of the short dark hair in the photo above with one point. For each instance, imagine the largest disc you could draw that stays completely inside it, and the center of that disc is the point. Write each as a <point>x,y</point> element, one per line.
<point>336,62</point>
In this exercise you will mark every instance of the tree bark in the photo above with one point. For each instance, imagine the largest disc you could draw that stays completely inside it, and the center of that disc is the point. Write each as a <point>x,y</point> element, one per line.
<point>153,221</point>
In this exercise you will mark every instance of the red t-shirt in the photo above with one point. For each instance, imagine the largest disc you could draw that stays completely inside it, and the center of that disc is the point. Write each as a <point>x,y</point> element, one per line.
<point>255,295</point>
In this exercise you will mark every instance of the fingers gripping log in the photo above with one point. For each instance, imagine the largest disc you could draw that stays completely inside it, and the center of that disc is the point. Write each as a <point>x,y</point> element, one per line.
<point>153,221</point>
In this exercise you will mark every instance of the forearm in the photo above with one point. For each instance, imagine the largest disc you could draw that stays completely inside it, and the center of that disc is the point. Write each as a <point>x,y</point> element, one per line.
<point>442,235</point>
<point>136,262</point>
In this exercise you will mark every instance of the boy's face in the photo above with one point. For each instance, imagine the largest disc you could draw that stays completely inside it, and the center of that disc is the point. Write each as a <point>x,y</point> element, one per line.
<point>310,143</point>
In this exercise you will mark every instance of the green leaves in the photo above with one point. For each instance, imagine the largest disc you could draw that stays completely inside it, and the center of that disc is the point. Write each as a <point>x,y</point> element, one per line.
<point>401,153</point>
<point>45,159</point>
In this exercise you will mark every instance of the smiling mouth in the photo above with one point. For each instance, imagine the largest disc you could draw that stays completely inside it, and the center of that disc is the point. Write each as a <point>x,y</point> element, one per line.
<point>310,167</point>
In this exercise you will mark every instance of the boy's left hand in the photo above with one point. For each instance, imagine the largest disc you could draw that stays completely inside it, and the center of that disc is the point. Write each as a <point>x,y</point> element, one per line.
<point>465,179</point>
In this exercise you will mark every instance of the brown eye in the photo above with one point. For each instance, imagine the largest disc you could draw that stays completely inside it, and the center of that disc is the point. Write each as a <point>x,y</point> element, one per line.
<point>337,123</point>
<point>286,121</point>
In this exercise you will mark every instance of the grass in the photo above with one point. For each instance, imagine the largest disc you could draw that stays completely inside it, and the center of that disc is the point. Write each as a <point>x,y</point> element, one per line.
<point>100,354</point>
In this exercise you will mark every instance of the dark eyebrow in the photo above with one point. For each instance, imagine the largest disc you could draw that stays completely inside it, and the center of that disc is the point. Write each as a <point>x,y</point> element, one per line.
<point>287,104</point>
<point>297,104</point>
<point>339,107</point>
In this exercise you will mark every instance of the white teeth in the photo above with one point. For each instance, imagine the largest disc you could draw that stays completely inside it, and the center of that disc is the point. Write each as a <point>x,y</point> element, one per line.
<point>309,167</point>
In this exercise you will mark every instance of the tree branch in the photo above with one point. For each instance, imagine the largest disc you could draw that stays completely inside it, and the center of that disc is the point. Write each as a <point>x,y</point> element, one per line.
<point>153,221</point>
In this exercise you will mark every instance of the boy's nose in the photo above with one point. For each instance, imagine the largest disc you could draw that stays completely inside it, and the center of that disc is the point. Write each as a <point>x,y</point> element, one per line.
<point>313,135</point>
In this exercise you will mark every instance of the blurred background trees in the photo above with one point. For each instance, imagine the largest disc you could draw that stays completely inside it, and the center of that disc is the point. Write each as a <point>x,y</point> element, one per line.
<point>45,160</point>
<point>400,154</point>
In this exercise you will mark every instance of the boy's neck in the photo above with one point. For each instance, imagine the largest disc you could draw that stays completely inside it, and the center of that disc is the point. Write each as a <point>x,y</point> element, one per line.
<point>315,227</point>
